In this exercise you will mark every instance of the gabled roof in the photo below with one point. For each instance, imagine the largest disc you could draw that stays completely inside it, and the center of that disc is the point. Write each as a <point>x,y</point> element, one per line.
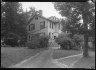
<point>41,17</point>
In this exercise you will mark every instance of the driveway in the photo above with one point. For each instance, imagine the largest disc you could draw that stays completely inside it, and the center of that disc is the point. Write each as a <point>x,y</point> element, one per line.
<point>41,60</point>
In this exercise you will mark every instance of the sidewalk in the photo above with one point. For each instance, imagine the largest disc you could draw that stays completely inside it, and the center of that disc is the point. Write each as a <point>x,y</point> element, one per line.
<point>76,61</point>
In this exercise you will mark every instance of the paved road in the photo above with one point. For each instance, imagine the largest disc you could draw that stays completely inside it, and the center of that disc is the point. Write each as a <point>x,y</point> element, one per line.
<point>41,60</point>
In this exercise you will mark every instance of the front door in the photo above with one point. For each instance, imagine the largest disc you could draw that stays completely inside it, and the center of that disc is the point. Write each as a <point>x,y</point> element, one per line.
<point>54,37</point>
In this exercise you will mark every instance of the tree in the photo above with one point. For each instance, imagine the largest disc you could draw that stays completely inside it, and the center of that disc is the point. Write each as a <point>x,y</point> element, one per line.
<point>13,21</point>
<point>75,12</point>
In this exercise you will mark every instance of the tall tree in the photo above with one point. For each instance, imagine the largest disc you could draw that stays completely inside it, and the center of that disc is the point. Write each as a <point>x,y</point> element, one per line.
<point>75,11</point>
<point>13,20</point>
<point>10,15</point>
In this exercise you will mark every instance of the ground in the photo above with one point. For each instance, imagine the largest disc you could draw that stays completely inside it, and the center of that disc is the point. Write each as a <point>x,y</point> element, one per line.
<point>64,53</point>
<point>78,61</point>
<point>41,60</point>
<point>13,55</point>
<point>86,62</point>
<point>20,57</point>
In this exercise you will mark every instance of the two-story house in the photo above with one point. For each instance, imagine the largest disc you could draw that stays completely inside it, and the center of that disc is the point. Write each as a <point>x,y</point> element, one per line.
<point>40,24</point>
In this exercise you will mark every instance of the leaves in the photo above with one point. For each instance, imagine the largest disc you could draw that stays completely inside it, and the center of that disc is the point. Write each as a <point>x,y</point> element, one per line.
<point>74,12</point>
<point>13,21</point>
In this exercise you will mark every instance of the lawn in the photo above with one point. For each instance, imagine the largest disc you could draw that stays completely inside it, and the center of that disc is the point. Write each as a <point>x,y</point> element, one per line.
<point>64,53</point>
<point>13,55</point>
<point>86,62</point>
<point>74,61</point>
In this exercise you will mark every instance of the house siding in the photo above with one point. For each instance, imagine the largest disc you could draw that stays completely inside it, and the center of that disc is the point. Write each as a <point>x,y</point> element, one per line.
<point>37,26</point>
<point>54,31</point>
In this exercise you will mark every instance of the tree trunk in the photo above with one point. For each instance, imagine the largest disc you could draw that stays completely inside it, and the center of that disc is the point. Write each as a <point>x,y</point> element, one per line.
<point>85,47</point>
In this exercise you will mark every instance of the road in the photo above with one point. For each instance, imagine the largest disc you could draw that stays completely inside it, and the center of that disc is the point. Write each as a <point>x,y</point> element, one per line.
<point>41,60</point>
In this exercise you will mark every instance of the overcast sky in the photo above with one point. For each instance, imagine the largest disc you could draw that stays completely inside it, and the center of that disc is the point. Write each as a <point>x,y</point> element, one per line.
<point>47,8</point>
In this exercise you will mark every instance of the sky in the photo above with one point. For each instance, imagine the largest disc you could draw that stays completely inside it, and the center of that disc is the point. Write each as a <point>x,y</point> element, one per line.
<point>47,8</point>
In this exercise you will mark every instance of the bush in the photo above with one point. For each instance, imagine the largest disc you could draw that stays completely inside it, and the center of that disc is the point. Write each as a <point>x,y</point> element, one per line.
<point>38,41</point>
<point>33,44</point>
<point>11,42</point>
<point>5,46</point>
<point>44,41</point>
<point>67,42</point>
<point>93,42</point>
<point>78,39</point>
<point>64,41</point>
<point>93,48</point>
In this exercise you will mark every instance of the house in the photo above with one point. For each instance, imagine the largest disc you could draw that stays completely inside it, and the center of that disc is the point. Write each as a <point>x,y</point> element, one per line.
<point>40,24</point>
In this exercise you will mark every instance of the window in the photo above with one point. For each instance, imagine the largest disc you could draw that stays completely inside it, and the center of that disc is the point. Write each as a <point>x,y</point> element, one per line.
<point>49,34</point>
<point>59,26</point>
<point>36,18</point>
<point>52,25</point>
<point>42,24</point>
<point>31,27</point>
<point>54,37</point>
<point>29,37</point>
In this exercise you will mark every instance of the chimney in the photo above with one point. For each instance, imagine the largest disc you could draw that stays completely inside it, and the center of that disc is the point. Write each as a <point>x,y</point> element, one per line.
<point>40,12</point>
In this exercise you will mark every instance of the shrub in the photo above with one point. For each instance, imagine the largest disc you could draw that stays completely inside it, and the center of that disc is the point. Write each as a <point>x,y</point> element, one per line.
<point>33,44</point>
<point>77,39</point>
<point>44,41</point>
<point>93,47</point>
<point>22,41</point>
<point>11,42</point>
<point>38,41</point>
<point>64,41</point>
<point>5,45</point>
<point>67,42</point>
<point>93,42</point>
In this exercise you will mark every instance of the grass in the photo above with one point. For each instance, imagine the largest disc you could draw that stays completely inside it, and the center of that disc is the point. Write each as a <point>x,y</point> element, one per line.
<point>64,53</point>
<point>86,62</point>
<point>13,55</point>
<point>75,61</point>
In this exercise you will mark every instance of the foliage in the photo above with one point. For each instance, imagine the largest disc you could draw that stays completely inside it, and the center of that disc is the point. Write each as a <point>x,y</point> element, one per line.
<point>68,42</point>
<point>33,44</point>
<point>30,13</point>
<point>75,12</point>
<point>78,39</point>
<point>44,41</point>
<point>38,41</point>
<point>11,42</point>
<point>93,42</point>
<point>13,20</point>
<point>64,41</point>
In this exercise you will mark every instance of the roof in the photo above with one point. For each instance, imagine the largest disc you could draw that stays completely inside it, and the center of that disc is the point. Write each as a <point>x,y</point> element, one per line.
<point>41,17</point>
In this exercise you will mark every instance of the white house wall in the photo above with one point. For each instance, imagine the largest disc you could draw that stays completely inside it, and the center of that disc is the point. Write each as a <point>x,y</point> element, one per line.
<point>37,26</point>
<point>47,28</point>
